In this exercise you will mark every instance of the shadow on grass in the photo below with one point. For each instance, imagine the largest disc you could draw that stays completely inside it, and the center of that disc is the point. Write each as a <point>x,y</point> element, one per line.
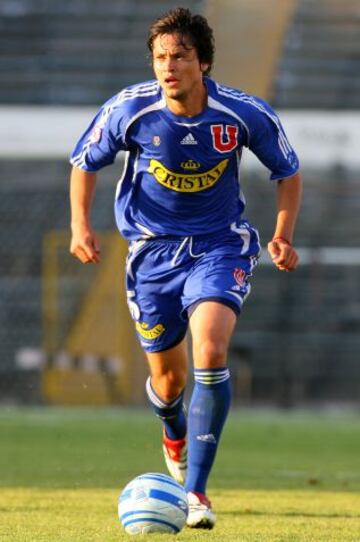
<point>288,514</point>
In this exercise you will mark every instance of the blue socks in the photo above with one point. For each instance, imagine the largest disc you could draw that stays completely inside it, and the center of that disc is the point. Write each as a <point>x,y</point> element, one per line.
<point>208,411</point>
<point>172,414</point>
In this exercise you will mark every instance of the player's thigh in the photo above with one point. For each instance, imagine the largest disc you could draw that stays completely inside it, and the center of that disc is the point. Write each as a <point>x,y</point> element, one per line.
<point>223,278</point>
<point>212,324</point>
<point>154,297</point>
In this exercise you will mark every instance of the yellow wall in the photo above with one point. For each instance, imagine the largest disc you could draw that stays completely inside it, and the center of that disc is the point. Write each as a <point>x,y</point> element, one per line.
<point>101,328</point>
<point>249,36</point>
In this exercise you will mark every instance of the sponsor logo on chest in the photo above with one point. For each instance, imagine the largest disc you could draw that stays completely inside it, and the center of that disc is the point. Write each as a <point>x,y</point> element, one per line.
<point>184,182</point>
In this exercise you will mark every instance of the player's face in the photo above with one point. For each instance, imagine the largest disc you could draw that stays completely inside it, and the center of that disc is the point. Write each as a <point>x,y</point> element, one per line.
<point>177,66</point>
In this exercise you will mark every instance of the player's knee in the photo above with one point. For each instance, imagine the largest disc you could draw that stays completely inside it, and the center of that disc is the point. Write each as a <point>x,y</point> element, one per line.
<point>169,386</point>
<point>211,353</point>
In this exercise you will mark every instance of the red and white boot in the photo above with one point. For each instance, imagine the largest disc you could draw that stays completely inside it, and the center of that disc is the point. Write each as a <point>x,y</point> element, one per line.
<point>175,454</point>
<point>200,514</point>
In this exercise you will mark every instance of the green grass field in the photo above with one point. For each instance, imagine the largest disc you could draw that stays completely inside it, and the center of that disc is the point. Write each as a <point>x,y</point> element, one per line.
<point>278,477</point>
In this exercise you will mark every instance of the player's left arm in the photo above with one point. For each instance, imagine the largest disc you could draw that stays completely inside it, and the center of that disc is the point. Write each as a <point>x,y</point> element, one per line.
<point>281,250</point>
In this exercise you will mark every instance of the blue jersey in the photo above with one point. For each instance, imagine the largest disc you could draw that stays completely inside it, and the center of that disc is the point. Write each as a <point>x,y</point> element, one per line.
<point>181,174</point>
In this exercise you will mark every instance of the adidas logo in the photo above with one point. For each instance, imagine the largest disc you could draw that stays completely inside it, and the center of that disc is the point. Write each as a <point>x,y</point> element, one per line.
<point>188,140</point>
<point>207,438</point>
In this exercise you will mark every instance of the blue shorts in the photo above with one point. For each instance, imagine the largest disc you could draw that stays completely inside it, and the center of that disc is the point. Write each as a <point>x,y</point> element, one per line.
<point>166,277</point>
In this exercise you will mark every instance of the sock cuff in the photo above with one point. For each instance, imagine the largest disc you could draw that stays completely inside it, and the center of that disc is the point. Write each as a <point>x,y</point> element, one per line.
<point>156,400</point>
<point>211,376</point>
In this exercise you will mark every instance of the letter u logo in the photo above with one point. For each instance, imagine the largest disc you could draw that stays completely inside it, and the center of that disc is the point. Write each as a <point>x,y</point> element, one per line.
<point>222,142</point>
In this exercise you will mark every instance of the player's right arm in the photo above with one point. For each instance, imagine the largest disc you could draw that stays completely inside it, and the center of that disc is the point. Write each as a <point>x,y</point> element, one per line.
<point>96,148</point>
<point>84,243</point>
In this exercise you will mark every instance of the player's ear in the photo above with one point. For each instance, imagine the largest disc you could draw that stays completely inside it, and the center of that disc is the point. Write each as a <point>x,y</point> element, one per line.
<point>204,67</point>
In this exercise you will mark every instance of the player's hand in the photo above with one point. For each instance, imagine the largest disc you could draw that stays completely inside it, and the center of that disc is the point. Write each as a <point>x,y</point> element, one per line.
<point>85,245</point>
<point>283,254</point>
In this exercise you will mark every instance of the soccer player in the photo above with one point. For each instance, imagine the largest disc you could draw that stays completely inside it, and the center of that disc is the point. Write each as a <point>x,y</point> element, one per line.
<point>179,204</point>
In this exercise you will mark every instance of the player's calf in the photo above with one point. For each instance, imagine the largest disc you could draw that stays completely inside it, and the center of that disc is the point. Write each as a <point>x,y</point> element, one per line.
<point>174,433</point>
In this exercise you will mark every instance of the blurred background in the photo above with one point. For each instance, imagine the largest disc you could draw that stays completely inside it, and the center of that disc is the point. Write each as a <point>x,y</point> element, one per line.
<point>65,334</point>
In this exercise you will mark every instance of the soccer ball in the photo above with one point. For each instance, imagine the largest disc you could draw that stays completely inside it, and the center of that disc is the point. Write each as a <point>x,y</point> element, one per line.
<point>153,503</point>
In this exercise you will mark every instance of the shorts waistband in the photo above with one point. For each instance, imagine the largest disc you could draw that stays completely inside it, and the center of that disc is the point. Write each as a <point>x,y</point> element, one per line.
<point>181,238</point>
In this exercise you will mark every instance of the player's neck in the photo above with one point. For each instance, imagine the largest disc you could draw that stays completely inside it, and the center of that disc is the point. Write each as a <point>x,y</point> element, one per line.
<point>190,105</point>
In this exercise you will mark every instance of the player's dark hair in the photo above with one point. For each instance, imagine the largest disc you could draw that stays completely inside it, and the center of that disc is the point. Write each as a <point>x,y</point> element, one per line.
<point>196,27</point>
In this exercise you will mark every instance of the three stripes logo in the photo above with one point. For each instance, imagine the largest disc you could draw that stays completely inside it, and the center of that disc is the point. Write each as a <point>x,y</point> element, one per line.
<point>210,439</point>
<point>189,139</point>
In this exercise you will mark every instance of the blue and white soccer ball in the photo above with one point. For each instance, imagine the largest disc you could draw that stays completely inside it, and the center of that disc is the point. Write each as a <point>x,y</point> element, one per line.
<point>153,503</point>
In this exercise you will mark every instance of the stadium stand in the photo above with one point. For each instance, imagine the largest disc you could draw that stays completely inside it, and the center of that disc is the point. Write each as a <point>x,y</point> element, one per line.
<point>299,335</point>
<point>320,65</point>
<point>298,316</point>
<point>298,339</point>
<point>79,52</point>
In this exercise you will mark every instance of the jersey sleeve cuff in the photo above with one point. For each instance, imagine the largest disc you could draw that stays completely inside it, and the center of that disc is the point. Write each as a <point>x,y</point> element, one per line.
<point>280,177</point>
<point>83,167</point>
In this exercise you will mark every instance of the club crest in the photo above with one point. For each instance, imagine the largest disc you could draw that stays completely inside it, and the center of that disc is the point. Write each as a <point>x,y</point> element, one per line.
<point>239,276</point>
<point>224,141</point>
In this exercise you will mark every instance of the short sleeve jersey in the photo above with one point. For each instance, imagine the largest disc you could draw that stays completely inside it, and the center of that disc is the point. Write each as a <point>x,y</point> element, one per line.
<point>181,174</point>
